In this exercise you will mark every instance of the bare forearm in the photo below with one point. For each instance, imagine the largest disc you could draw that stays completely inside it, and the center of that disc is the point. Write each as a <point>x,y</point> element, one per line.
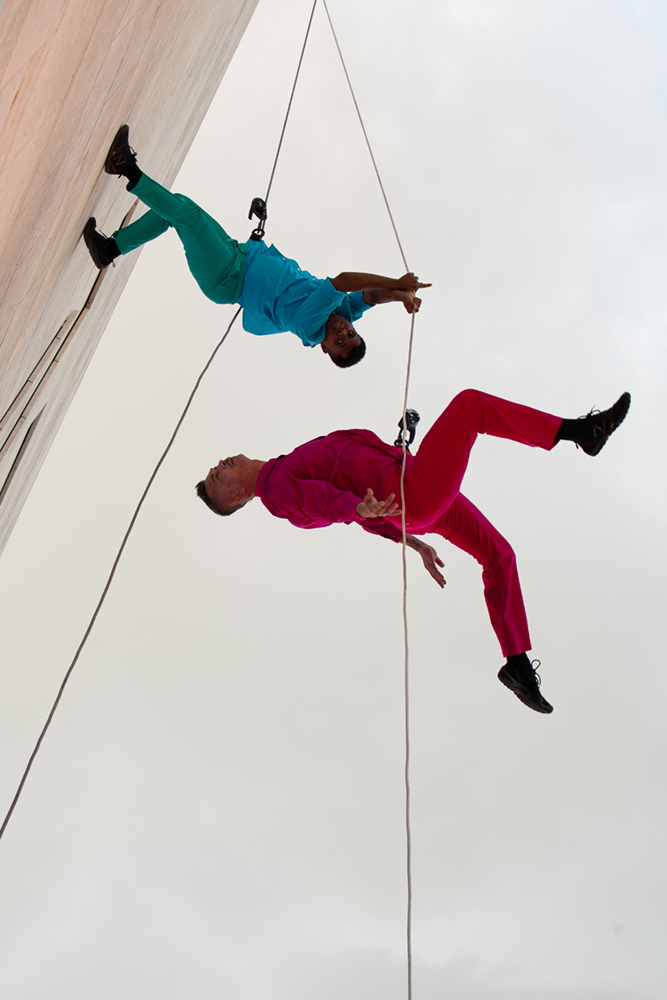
<point>376,288</point>
<point>376,296</point>
<point>359,281</point>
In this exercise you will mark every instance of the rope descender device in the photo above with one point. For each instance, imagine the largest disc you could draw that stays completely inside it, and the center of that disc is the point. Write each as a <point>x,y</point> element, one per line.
<point>258,208</point>
<point>408,427</point>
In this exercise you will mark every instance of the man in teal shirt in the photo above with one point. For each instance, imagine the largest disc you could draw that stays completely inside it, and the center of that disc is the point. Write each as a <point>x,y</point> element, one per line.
<point>275,293</point>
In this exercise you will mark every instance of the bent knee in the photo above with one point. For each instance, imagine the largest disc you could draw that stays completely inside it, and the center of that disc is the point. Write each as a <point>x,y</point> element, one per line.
<point>188,211</point>
<point>469,402</point>
<point>467,395</point>
<point>499,558</point>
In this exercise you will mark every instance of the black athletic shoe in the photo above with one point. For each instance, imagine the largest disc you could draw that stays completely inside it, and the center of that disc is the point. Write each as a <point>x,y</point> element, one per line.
<point>103,249</point>
<point>120,156</point>
<point>522,677</point>
<point>596,427</point>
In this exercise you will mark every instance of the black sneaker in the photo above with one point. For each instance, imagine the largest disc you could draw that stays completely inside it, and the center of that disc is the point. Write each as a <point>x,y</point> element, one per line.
<point>120,155</point>
<point>522,677</point>
<point>597,427</point>
<point>103,249</point>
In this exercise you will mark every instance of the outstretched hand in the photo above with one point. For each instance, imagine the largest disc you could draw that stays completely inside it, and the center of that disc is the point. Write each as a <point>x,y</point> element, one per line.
<point>410,283</point>
<point>431,561</point>
<point>370,507</point>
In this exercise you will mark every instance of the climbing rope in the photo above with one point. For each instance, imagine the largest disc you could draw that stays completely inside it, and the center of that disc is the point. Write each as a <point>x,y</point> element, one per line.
<point>114,567</point>
<point>368,144</point>
<point>404,445</point>
<point>406,671</point>
<point>289,104</point>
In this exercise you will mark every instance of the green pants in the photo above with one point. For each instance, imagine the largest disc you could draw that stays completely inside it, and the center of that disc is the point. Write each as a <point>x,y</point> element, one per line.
<point>216,261</point>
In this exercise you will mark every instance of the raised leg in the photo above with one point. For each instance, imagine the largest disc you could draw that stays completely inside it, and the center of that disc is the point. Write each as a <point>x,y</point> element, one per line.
<point>435,476</point>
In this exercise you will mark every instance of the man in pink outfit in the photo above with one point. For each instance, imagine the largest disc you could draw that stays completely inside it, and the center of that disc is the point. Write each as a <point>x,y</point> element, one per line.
<point>338,478</point>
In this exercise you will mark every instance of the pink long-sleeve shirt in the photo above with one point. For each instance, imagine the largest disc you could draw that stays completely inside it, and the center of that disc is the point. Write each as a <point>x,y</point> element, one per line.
<point>321,482</point>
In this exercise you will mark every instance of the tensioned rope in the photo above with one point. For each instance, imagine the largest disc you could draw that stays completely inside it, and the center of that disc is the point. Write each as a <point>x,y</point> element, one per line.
<point>107,585</point>
<point>406,647</point>
<point>363,129</point>
<point>149,484</point>
<point>289,103</point>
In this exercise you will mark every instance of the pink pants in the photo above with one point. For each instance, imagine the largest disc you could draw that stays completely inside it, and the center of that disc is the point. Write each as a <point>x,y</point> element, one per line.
<point>434,503</point>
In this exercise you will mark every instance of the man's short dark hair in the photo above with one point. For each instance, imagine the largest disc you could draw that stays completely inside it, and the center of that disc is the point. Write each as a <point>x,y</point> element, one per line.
<point>353,357</point>
<point>203,495</point>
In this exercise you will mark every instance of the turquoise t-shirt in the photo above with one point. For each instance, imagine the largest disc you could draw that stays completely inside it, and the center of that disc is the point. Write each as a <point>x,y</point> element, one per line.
<point>278,296</point>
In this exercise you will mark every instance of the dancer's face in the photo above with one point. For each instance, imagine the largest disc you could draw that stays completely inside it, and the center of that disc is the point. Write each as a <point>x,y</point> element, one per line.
<point>228,482</point>
<point>340,337</point>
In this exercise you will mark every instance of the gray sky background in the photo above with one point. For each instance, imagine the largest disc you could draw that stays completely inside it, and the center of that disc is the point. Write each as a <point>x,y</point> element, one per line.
<point>218,808</point>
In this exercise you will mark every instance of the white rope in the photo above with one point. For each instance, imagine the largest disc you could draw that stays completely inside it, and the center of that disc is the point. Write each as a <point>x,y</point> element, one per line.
<point>114,567</point>
<point>289,104</point>
<point>363,129</point>
<point>406,645</point>
<point>406,671</point>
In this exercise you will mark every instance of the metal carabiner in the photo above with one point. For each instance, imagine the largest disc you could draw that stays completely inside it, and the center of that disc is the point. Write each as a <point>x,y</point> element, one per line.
<point>410,426</point>
<point>258,208</point>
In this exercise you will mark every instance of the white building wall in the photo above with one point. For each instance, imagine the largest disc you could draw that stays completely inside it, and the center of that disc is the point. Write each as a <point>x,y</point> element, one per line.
<point>71,72</point>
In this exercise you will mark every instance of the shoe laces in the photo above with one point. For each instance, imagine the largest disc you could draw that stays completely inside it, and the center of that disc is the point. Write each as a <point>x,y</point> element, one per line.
<point>536,664</point>
<point>595,428</point>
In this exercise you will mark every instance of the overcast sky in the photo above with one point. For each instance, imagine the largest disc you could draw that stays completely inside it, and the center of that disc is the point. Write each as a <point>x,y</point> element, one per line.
<point>217,810</point>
